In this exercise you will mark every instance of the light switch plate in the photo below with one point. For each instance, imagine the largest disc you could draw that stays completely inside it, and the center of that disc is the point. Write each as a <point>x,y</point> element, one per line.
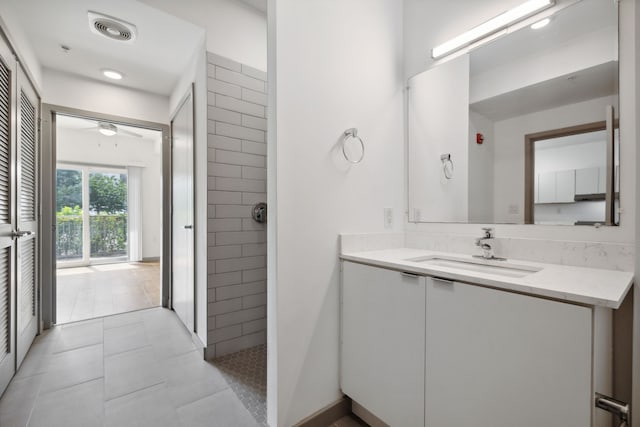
<point>388,217</point>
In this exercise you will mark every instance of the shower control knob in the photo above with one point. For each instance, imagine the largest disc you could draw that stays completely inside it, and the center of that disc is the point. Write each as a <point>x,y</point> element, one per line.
<point>259,213</point>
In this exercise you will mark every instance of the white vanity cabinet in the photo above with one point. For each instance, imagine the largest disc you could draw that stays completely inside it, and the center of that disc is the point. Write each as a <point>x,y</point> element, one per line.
<point>422,351</point>
<point>500,359</point>
<point>383,333</point>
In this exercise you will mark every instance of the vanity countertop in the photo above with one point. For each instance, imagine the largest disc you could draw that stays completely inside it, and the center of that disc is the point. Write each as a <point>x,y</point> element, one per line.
<point>590,286</point>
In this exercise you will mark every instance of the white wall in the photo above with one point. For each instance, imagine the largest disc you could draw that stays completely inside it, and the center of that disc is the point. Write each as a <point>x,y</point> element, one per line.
<point>578,156</point>
<point>17,37</point>
<point>72,91</point>
<point>92,148</point>
<point>481,191</point>
<point>509,152</point>
<point>234,29</point>
<point>438,124</point>
<point>595,48</point>
<point>337,65</point>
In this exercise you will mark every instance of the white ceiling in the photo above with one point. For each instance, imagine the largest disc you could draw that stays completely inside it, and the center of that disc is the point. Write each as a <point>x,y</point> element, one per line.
<point>90,126</point>
<point>583,85</point>
<point>153,62</point>
<point>573,22</point>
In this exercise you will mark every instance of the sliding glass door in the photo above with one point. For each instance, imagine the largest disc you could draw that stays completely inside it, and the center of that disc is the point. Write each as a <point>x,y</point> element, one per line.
<point>91,215</point>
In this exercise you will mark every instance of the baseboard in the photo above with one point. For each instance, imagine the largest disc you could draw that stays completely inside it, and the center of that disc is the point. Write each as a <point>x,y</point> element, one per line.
<point>328,415</point>
<point>209,353</point>
<point>365,415</point>
<point>151,259</point>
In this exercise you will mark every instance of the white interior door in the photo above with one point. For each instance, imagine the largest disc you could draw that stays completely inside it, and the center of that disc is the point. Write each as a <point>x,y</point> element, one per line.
<point>7,219</point>
<point>182,256</point>
<point>27,215</point>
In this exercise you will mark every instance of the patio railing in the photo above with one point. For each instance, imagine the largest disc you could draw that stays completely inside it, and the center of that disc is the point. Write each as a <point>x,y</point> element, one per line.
<point>108,236</point>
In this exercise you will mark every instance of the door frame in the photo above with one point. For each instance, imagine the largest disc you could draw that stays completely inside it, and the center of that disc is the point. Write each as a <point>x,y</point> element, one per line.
<point>47,194</point>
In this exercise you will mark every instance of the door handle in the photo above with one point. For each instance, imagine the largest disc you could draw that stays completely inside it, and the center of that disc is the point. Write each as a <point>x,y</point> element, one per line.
<point>20,233</point>
<point>188,227</point>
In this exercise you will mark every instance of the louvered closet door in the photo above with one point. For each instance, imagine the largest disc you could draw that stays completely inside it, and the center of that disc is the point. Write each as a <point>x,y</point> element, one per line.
<point>27,215</point>
<point>7,217</point>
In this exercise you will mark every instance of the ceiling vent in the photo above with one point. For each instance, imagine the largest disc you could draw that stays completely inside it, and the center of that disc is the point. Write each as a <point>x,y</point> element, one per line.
<point>112,28</point>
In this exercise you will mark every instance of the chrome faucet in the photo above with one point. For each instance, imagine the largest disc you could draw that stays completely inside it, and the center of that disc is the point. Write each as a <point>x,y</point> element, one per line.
<point>487,250</point>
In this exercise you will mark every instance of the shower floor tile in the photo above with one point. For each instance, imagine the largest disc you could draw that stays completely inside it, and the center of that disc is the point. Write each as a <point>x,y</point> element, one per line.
<point>246,373</point>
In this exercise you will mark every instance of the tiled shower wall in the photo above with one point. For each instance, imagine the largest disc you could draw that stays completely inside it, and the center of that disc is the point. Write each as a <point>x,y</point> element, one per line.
<point>237,289</point>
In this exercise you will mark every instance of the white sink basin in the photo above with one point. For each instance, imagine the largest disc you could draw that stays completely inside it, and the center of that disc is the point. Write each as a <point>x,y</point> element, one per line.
<point>501,268</point>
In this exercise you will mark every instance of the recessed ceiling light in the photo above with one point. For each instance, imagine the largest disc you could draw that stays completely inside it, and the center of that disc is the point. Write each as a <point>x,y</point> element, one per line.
<point>112,74</point>
<point>540,24</point>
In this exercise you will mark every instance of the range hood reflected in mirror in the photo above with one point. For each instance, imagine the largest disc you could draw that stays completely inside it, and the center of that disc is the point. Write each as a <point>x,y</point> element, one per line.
<point>480,106</point>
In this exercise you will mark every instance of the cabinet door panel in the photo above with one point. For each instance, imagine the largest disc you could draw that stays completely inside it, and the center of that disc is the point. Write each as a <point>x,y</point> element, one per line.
<point>498,359</point>
<point>27,216</point>
<point>383,333</point>
<point>587,181</point>
<point>565,186</point>
<point>547,187</point>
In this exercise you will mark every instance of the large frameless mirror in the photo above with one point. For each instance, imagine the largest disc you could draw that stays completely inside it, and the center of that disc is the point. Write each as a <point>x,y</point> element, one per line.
<point>522,129</point>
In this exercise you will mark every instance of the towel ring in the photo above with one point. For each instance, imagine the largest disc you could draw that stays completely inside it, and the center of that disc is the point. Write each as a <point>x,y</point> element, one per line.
<point>447,165</point>
<point>352,134</point>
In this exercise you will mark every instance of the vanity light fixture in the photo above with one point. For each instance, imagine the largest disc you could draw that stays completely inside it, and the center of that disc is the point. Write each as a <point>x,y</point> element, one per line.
<point>491,26</point>
<point>112,74</point>
<point>540,24</point>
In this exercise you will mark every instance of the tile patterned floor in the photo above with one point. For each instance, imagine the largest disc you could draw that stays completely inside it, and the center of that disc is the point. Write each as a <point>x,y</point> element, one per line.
<point>246,373</point>
<point>136,369</point>
<point>133,369</point>
<point>106,289</point>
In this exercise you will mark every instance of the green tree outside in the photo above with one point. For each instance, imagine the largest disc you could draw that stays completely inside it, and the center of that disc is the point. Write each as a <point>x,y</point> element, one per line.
<point>68,189</point>
<point>107,193</point>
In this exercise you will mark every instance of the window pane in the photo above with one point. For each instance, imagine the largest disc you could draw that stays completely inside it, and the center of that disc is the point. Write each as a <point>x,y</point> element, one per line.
<point>108,214</point>
<point>68,215</point>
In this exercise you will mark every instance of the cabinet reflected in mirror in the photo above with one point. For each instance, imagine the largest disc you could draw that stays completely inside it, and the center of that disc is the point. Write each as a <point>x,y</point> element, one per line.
<point>479,106</point>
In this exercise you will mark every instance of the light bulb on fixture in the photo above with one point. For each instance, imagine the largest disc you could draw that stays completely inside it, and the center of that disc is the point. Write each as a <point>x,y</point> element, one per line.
<point>107,129</point>
<point>112,74</point>
<point>492,26</point>
<point>540,24</point>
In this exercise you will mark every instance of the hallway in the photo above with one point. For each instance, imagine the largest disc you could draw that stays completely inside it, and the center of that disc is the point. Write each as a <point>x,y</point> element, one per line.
<point>139,368</point>
<point>105,289</point>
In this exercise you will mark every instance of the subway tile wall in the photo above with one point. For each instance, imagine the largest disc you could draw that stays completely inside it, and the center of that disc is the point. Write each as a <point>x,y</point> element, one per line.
<point>237,175</point>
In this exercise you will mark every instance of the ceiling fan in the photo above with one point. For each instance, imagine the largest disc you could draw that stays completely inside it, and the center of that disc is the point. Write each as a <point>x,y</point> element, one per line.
<point>109,129</point>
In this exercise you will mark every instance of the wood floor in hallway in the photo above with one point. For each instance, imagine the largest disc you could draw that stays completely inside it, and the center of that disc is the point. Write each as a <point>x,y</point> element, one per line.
<point>106,289</point>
